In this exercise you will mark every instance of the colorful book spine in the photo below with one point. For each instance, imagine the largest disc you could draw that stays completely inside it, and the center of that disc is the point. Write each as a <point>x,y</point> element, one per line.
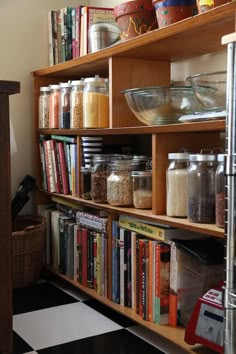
<point>84,257</point>
<point>99,263</point>
<point>64,174</point>
<point>66,139</point>
<point>115,270</point>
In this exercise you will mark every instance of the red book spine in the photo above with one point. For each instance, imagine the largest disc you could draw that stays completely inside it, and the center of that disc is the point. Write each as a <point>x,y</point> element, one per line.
<point>64,174</point>
<point>79,254</point>
<point>84,256</point>
<point>141,278</point>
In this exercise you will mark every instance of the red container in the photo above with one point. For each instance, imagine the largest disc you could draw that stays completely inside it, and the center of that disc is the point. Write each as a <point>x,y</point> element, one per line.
<point>135,18</point>
<point>171,11</point>
<point>205,5</point>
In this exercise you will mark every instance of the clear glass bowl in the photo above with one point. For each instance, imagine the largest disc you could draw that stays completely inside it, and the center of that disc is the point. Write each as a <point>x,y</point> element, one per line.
<point>161,104</point>
<point>210,89</point>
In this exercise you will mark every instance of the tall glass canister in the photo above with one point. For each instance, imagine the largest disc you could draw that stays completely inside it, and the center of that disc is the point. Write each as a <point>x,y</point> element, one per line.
<point>54,106</point>
<point>44,106</point>
<point>76,104</point>
<point>65,89</point>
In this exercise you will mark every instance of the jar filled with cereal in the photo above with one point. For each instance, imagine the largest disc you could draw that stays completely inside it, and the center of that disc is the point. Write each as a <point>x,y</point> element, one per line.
<point>76,104</point>
<point>99,172</point>
<point>120,183</point>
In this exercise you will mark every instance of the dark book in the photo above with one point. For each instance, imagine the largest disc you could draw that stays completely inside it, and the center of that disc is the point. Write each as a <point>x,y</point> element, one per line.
<point>115,269</point>
<point>63,234</point>
<point>63,168</point>
<point>90,259</point>
<point>84,256</point>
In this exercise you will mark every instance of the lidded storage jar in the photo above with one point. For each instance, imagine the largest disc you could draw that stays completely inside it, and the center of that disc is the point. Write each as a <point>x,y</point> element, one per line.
<point>76,104</point>
<point>119,182</point>
<point>44,107</point>
<point>95,103</point>
<point>220,191</point>
<point>177,184</point>
<point>54,106</point>
<point>85,182</point>
<point>201,188</point>
<point>99,173</point>
<point>142,189</point>
<point>65,89</point>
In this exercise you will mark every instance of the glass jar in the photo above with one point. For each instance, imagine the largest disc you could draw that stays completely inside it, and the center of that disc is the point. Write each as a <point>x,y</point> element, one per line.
<point>76,104</point>
<point>65,89</point>
<point>95,103</point>
<point>119,182</point>
<point>44,107</point>
<point>54,106</point>
<point>142,189</point>
<point>144,161</point>
<point>177,184</point>
<point>201,188</point>
<point>85,182</point>
<point>99,173</point>
<point>220,191</point>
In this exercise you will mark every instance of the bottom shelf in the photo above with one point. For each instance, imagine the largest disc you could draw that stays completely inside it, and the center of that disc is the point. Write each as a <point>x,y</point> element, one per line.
<point>173,334</point>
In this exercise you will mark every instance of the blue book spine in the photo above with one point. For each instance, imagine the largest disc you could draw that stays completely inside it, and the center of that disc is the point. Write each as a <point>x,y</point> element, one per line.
<point>115,271</point>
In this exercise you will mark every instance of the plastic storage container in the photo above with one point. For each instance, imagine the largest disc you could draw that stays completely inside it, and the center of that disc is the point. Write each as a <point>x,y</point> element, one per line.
<point>44,106</point>
<point>177,184</point>
<point>201,188</point>
<point>76,104</point>
<point>142,189</point>
<point>65,89</point>
<point>95,103</point>
<point>120,183</point>
<point>54,106</point>
<point>220,191</point>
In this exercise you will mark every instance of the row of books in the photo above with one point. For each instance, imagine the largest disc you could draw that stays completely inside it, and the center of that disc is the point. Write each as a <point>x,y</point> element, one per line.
<point>68,30</point>
<point>77,247</point>
<point>59,164</point>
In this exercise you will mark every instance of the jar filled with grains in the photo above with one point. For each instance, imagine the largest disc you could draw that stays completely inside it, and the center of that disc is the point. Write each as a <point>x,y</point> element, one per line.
<point>119,182</point>
<point>177,184</point>
<point>142,189</point>
<point>85,178</point>
<point>44,107</point>
<point>65,89</point>
<point>76,104</point>
<point>95,103</point>
<point>220,191</point>
<point>99,172</point>
<point>54,106</point>
<point>201,188</point>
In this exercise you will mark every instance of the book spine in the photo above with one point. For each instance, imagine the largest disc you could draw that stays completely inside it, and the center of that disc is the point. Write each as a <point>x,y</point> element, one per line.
<point>73,19</point>
<point>104,264</point>
<point>67,139</point>
<point>84,256</point>
<point>173,285</point>
<point>143,229</point>
<point>76,254</point>
<point>122,267</point>
<point>129,275</point>
<point>133,269</point>
<point>99,263</point>
<point>55,165</point>
<point>64,175</point>
<point>150,282</point>
<point>63,35</point>
<point>59,39</point>
<point>141,278</point>
<point>95,261</point>
<point>69,33</point>
<point>55,239</point>
<point>77,30</point>
<point>50,38</point>
<point>79,252</point>
<point>43,164</point>
<point>55,38</point>
<point>115,230</point>
<point>91,259</point>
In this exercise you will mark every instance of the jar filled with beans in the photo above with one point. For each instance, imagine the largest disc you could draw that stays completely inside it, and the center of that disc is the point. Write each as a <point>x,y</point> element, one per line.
<point>99,172</point>
<point>119,182</point>
<point>65,88</point>
<point>44,107</point>
<point>76,104</point>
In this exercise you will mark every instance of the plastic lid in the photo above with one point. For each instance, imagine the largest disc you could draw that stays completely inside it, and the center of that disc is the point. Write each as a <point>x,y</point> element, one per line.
<point>65,84</point>
<point>95,79</point>
<point>202,157</point>
<point>45,89</point>
<point>147,173</point>
<point>77,83</point>
<point>221,157</point>
<point>178,156</point>
<point>53,87</point>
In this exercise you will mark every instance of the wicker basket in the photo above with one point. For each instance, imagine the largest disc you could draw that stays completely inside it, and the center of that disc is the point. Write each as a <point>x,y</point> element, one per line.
<point>28,240</point>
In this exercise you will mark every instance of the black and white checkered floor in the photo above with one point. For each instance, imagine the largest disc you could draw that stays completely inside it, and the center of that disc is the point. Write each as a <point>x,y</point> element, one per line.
<point>55,318</point>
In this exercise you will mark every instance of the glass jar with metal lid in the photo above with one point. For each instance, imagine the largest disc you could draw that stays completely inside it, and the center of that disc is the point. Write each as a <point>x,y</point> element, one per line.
<point>95,103</point>
<point>54,106</point>
<point>99,173</point>
<point>76,104</point>
<point>44,106</point>
<point>65,89</point>
<point>177,184</point>
<point>142,189</point>
<point>144,161</point>
<point>119,182</point>
<point>201,187</point>
<point>220,191</point>
<point>85,182</point>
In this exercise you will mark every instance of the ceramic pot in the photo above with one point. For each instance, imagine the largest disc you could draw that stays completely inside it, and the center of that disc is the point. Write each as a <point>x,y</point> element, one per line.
<point>171,11</point>
<point>205,5</point>
<point>135,18</point>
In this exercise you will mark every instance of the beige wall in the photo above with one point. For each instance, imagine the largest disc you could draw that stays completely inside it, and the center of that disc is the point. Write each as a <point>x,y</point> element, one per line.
<point>24,48</point>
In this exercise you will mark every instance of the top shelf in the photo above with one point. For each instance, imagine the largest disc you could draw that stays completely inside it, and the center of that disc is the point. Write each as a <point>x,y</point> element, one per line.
<point>195,36</point>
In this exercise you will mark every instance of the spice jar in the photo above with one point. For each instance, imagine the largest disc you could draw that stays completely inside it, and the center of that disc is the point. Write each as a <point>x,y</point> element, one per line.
<point>44,107</point>
<point>220,191</point>
<point>119,182</point>
<point>85,178</point>
<point>142,189</point>
<point>76,104</point>
<point>177,184</point>
<point>65,89</point>
<point>99,172</point>
<point>54,106</point>
<point>201,188</point>
<point>95,103</point>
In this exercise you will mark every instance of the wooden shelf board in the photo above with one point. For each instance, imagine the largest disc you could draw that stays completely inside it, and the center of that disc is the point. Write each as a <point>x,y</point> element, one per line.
<point>207,229</point>
<point>198,35</point>
<point>213,125</point>
<point>174,334</point>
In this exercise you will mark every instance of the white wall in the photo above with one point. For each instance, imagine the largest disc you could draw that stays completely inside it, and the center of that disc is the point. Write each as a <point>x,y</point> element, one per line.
<point>24,48</point>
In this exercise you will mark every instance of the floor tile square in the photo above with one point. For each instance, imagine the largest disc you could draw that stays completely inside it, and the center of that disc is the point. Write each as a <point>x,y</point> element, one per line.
<point>116,342</point>
<point>61,324</point>
<point>19,345</point>
<point>110,313</point>
<point>38,297</point>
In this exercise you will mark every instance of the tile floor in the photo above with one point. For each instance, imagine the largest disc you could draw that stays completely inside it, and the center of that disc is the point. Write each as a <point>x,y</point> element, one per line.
<point>52,317</point>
